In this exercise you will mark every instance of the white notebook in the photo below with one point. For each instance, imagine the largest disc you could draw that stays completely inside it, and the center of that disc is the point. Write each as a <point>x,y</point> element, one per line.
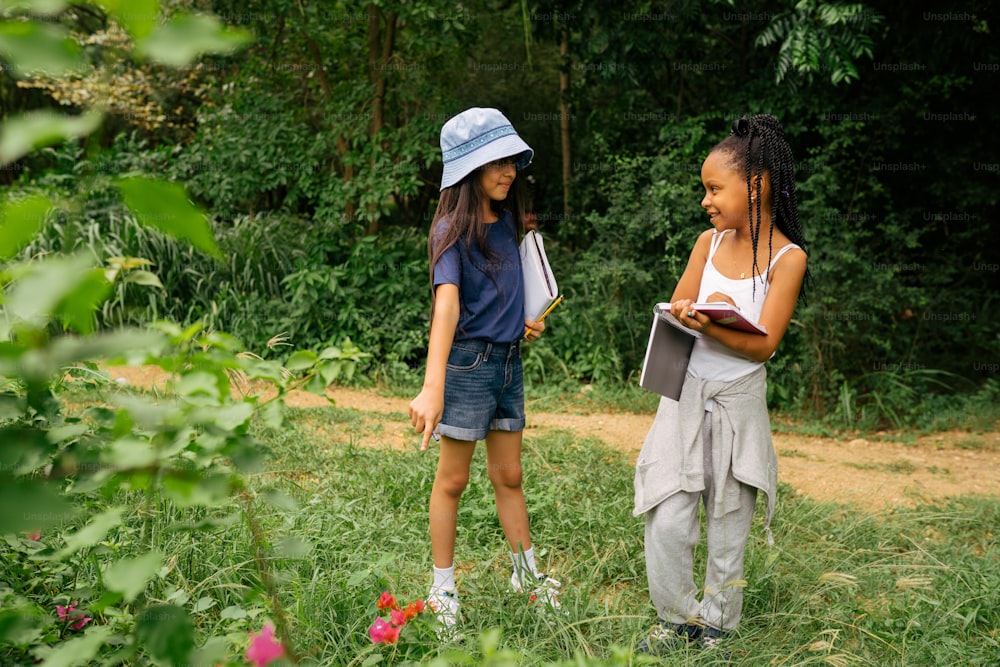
<point>540,288</point>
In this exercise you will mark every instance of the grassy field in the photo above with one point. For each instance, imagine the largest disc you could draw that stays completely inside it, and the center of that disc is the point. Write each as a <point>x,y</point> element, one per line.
<point>341,521</point>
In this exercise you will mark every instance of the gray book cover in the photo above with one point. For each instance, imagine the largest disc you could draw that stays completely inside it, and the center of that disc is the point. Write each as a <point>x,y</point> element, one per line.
<point>667,355</point>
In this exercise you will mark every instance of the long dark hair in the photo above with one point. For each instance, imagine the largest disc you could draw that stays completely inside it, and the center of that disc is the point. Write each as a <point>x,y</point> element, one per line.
<point>462,206</point>
<point>758,147</point>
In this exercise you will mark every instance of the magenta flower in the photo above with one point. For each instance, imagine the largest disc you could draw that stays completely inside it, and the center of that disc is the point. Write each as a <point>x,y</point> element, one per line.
<point>398,617</point>
<point>264,648</point>
<point>68,615</point>
<point>382,632</point>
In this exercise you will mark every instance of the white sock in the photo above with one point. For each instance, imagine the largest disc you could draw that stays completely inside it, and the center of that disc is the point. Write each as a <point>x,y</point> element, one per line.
<point>524,562</point>
<point>444,577</point>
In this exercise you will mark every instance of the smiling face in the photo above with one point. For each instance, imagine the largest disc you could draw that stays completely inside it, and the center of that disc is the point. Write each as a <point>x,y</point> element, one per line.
<point>497,177</point>
<point>725,192</point>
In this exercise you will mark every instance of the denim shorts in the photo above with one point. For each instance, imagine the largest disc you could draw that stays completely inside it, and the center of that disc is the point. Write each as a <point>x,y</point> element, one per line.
<point>483,390</point>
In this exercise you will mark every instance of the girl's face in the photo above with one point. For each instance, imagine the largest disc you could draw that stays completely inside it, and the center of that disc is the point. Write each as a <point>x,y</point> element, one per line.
<point>497,177</point>
<point>725,192</point>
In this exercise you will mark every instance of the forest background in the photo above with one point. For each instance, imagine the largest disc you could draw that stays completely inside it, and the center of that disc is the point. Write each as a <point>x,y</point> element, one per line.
<point>314,152</point>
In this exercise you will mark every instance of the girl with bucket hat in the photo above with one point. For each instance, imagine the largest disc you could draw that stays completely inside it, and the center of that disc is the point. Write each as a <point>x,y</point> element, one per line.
<point>473,386</point>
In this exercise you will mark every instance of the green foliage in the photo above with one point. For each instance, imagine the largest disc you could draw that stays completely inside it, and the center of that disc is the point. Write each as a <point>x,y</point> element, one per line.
<point>636,253</point>
<point>821,37</point>
<point>314,153</point>
<point>61,460</point>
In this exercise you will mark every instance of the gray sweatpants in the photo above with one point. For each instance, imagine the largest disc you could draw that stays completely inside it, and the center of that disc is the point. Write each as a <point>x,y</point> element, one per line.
<point>672,531</point>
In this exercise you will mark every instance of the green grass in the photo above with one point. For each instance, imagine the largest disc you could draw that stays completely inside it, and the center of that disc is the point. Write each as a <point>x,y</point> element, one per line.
<point>343,522</point>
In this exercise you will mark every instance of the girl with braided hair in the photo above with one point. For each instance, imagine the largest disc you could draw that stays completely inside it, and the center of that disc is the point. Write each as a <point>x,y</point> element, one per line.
<point>713,445</point>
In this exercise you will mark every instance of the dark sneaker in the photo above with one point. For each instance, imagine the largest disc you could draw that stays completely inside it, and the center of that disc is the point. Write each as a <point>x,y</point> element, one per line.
<point>666,637</point>
<point>711,637</point>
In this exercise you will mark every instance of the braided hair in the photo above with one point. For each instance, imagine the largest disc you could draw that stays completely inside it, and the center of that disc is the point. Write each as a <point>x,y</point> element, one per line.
<point>757,146</point>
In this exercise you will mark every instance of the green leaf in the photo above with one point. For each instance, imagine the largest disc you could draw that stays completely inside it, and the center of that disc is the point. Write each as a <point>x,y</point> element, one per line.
<point>233,416</point>
<point>280,500</point>
<point>233,613</point>
<point>187,36</point>
<point>204,603</point>
<point>76,309</point>
<point>128,576</point>
<point>40,7</point>
<point>24,448</point>
<point>331,353</point>
<point>215,651</point>
<point>143,278</point>
<point>291,546</point>
<point>166,206</point>
<point>138,17</point>
<point>271,414</point>
<point>330,371</point>
<point>20,220</point>
<point>31,505</point>
<point>90,534</point>
<point>21,624</point>
<point>33,299</point>
<point>130,452</point>
<point>166,632</point>
<point>204,492</point>
<point>32,47</point>
<point>79,650</point>
<point>22,133</point>
<point>199,384</point>
<point>301,360</point>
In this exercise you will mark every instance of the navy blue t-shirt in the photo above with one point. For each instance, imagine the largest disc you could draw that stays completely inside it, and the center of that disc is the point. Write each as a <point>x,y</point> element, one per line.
<point>491,294</point>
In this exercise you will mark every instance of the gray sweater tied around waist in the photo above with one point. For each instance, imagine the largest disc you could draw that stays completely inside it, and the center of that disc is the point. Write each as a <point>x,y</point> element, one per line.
<point>671,459</point>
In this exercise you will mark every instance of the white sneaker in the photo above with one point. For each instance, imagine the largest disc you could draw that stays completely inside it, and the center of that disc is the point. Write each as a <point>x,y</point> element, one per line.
<point>546,589</point>
<point>444,603</point>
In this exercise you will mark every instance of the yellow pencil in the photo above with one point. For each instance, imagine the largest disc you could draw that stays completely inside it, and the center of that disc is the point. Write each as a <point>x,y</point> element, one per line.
<point>548,310</point>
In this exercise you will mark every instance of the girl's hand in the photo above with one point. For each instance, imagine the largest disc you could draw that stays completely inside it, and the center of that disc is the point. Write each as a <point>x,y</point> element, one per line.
<point>425,413</point>
<point>716,297</point>
<point>688,316</point>
<point>533,329</point>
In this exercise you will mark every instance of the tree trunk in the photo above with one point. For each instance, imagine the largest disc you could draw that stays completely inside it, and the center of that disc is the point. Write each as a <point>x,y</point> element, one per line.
<point>564,93</point>
<point>380,47</point>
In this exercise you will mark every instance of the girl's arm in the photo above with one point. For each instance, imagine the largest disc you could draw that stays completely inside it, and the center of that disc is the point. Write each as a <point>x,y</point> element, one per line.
<point>786,280</point>
<point>690,282</point>
<point>426,409</point>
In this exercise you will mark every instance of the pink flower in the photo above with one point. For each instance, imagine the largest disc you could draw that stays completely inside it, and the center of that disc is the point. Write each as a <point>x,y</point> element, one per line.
<point>264,648</point>
<point>387,601</point>
<point>34,535</point>
<point>66,614</point>
<point>398,618</point>
<point>383,633</point>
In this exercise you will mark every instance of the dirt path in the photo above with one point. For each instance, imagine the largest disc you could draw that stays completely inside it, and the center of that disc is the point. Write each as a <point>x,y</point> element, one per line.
<point>872,473</point>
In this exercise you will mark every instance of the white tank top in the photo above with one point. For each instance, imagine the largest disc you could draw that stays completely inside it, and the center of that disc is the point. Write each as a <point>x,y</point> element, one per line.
<point>711,359</point>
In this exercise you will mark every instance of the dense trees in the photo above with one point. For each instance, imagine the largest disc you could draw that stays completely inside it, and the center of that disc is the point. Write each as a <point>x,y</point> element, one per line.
<point>315,152</point>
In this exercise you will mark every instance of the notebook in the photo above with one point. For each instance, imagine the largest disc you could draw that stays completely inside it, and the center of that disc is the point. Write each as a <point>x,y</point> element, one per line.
<point>540,288</point>
<point>667,354</point>
<point>730,316</point>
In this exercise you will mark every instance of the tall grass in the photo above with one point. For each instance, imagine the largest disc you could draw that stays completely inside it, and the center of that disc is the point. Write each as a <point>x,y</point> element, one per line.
<point>345,518</point>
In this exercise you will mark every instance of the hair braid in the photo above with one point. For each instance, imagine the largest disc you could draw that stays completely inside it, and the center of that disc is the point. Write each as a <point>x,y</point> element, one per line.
<point>758,146</point>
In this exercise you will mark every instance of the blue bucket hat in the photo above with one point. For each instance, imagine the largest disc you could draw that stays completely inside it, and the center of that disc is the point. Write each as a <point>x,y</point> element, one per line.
<point>476,137</point>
